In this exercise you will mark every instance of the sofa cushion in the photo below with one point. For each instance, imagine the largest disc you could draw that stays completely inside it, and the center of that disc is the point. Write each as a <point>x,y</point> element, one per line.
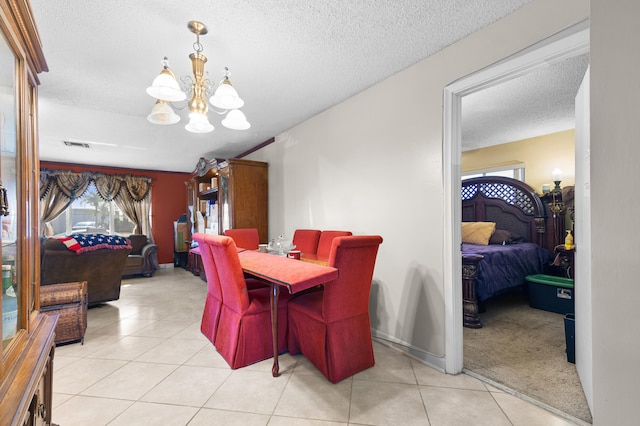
<point>135,260</point>
<point>138,241</point>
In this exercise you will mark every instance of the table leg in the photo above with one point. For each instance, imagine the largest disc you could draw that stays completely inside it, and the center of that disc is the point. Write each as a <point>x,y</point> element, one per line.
<point>275,293</point>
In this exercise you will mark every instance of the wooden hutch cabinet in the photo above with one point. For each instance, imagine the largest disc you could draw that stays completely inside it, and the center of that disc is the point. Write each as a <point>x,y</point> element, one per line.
<point>26,367</point>
<point>225,194</point>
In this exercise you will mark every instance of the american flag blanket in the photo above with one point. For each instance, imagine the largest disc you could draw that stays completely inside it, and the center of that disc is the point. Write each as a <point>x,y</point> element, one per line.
<point>82,243</point>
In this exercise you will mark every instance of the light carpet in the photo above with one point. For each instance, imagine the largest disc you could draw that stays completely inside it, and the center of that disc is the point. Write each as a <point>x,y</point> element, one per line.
<point>524,349</point>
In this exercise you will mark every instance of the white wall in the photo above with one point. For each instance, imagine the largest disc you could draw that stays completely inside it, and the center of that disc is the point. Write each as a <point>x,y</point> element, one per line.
<point>615,153</point>
<point>373,165</point>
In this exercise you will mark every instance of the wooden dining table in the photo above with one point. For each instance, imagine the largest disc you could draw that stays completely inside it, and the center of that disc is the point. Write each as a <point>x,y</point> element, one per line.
<point>280,271</point>
<point>314,258</point>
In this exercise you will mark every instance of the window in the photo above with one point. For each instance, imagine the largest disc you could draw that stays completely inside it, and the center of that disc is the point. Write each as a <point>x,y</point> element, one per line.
<point>514,171</point>
<point>91,214</point>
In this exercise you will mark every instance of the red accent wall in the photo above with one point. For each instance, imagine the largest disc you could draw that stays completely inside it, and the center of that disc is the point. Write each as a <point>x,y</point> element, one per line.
<point>168,199</point>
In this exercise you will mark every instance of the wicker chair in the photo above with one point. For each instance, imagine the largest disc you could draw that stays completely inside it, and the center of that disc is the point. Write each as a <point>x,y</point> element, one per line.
<point>69,301</point>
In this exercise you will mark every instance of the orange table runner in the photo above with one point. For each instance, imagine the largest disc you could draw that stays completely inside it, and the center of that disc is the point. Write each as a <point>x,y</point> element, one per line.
<point>293,274</point>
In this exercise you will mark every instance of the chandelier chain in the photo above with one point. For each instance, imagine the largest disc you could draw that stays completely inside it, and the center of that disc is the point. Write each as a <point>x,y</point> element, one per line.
<point>197,46</point>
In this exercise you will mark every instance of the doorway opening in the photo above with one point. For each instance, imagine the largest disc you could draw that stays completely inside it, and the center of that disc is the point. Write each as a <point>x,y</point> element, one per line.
<point>568,44</point>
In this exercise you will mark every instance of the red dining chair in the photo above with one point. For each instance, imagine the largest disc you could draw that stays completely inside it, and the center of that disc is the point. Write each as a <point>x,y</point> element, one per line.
<point>331,327</point>
<point>306,240</point>
<point>244,328</point>
<point>213,302</point>
<point>244,237</point>
<point>326,238</point>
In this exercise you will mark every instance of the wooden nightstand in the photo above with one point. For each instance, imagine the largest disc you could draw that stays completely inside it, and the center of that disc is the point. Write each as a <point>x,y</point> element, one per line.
<point>563,264</point>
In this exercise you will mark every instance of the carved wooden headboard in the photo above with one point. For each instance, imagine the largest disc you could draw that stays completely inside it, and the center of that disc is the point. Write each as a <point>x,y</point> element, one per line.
<point>511,204</point>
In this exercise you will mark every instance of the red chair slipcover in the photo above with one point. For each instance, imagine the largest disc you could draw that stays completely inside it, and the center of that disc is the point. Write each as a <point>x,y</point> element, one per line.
<point>244,237</point>
<point>324,244</point>
<point>244,328</point>
<point>213,302</point>
<point>331,327</point>
<point>306,240</point>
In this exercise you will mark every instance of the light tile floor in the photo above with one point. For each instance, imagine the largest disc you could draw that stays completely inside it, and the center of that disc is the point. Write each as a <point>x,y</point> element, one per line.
<point>144,361</point>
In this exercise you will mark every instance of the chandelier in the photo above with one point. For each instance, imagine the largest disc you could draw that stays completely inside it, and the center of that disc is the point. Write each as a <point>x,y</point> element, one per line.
<point>166,89</point>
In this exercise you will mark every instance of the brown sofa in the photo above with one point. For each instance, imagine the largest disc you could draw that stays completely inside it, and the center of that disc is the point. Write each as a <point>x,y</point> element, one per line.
<point>141,259</point>
<point>101,269</point>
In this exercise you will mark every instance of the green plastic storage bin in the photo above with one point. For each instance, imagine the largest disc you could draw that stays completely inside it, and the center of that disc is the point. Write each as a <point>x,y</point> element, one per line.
<point>551,293</point>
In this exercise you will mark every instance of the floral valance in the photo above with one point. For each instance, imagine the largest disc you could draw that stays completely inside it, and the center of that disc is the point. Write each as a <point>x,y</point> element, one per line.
<point>73,185</point>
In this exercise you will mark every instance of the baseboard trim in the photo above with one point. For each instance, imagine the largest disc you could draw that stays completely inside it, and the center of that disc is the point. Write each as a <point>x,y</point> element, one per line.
<point>411,351</point>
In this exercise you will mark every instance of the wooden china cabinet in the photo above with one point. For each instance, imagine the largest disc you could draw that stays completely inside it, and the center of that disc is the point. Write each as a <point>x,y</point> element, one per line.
<point>26,367</point>
<point>230,193</point>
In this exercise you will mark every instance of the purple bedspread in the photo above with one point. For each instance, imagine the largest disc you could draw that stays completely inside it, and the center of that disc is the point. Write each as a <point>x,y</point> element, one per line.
<point>505,267</point>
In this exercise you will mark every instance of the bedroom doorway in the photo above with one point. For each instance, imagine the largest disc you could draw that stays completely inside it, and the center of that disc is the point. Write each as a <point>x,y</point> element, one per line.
<point>569,44</point>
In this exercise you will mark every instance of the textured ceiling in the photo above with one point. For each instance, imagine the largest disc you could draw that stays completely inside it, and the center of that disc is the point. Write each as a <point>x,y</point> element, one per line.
<point>289,60</point>
<point>537,103</point>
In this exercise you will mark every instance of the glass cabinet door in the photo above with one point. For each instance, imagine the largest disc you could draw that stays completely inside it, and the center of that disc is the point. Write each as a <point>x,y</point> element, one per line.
<point>223,200</point>
<point>8,195</point>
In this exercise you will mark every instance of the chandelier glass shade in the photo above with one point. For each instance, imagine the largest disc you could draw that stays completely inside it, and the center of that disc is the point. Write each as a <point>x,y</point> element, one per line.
<point>162,113</point>
<point>226,96</point>
<point>236,120</point>
<point>166,89</point>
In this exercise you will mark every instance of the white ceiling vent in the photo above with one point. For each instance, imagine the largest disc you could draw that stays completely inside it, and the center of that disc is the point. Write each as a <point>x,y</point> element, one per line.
<point>77,144</point>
